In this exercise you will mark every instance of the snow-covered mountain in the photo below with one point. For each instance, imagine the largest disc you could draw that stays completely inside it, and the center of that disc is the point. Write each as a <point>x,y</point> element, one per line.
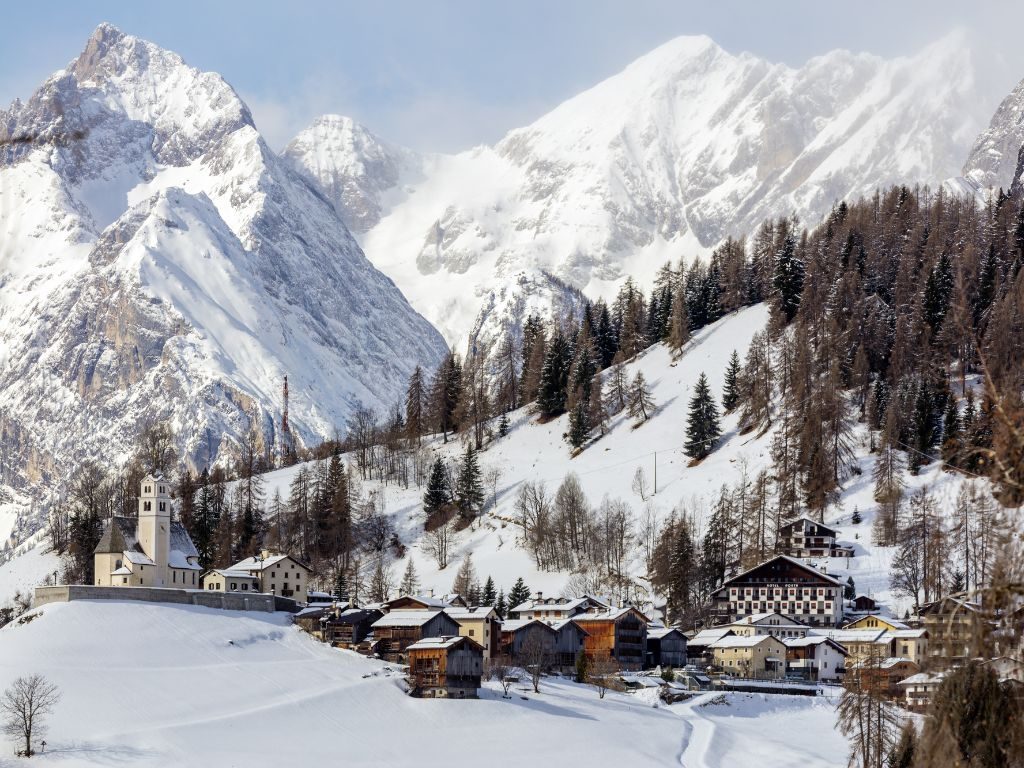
<point>995,159</point>
<point>686,146</point>
<point>354,168</point>
<point>159,262</point>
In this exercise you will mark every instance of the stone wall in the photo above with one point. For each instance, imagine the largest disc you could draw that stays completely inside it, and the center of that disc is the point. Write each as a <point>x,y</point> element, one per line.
<point>227,601</point>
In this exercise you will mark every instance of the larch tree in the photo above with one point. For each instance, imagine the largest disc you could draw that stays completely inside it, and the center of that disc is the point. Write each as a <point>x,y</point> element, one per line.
<point>641,404</point>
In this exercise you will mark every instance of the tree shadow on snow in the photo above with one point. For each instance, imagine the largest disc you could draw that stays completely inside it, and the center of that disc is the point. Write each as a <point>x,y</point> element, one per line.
<point>100,754</point>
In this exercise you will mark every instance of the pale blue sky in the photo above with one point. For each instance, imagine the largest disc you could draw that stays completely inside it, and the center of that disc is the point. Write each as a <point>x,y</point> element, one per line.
<point>447,75</point>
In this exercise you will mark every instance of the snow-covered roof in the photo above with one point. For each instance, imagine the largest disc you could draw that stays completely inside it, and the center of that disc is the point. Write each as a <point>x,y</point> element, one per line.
<point>609,615</point>
<point>178,559</point>
<point>759,618</point>
<point>788,559</point>
<point>892,661</point>
<point>709,635</point>
<point>922,678</point>
<point>657,633</point>
<point>909,634</point>
<point>137,558</point>
<point>738,641</point>
<point>122,571</point>
<point>405,618</point>
<point>436,643</point>
<point>255,564</point>
<point>850,635</point>
<point>803,642</point>
<point>560,604</point>
<point>231,573</point>
<point>514,625</point>
<point>479,612</point>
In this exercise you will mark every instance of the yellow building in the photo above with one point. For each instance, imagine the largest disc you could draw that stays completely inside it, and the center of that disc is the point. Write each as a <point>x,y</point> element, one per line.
<point>152,550</point>
<point>757,656</point>
<point>480,624</point>
<point>876,622</point>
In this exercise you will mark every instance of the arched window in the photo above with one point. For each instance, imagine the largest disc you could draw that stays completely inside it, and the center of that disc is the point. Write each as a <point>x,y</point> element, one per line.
<point>117,564</point>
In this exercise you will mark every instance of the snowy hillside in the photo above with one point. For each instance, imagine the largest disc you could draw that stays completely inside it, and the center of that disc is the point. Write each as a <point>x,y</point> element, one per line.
<point>607,466</point>
<point>686,146</point>
<point>183,686</point>
<point>159,262</point>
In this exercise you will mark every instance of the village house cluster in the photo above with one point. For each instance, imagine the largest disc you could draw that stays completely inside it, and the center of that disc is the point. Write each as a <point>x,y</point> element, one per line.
<point>783,621</point>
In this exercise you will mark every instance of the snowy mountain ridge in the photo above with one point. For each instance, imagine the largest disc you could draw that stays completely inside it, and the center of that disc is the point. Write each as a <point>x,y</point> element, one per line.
<point>686,146</point>
<point>158,262</point>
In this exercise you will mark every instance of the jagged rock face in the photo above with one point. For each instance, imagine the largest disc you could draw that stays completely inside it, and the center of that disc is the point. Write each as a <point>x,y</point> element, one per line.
<point>350,165</point>
<point>686,146</point>
<point>159,262</point>
<point>992,162</point>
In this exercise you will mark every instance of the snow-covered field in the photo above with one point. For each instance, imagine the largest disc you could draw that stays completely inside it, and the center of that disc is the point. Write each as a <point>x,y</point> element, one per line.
<point>159,685</point>
<point>29,568</point>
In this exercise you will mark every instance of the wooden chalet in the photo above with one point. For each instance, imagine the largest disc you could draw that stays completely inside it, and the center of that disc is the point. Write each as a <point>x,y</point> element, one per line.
<point>394,632</point>
<point>864,604</point>
<point>519,633</point>
<point>805,537</point>
<point>666,647</point>
<point>423,603</point>
<point>957,631</point>
<point>781,585</point>
<point>884,676</point>
<point>619,634</point>
<point>570,640</point>
<point>445,667</point>
<point>350,627</point>
<point>556,608</point>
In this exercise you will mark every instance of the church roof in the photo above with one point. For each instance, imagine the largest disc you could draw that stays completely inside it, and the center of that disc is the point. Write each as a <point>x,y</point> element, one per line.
<point>121,534</point>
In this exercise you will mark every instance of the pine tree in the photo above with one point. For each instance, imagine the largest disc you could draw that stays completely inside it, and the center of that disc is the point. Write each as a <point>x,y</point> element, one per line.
<point>519,594</point>
<point>503,425</point>
<point>577,434</point>
<point>850,590</point>
<point>597,413</point>
<point>554,377</point>
<point>438,492</point>
<point>682,569</point>
<point>410,580</point>
<point>618,389</point>
<point>730,392</point>
<point>788,281</point>
<point>702,429</point>
<point>415,399</point>
<point>469,489</point>
<point>641,404</point>
<point>488,597</point>
<point>500,606</point>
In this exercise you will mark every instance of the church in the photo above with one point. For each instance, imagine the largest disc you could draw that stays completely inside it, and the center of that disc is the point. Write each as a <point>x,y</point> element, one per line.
<point>152,550</point>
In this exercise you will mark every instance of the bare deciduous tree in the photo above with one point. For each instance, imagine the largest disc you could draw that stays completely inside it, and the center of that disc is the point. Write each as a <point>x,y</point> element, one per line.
<point>534,656</point>
<point>24,707</point>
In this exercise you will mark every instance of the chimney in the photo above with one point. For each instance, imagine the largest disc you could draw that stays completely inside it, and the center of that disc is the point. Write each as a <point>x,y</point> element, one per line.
<point>430,592</point>
<point>540,596</point>
<point>265,554</point>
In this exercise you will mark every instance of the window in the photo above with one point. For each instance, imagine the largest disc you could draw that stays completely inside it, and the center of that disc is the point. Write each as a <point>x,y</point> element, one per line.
<point>147,506</point>
<point>211,587</point>
<point>245,587</point>
<point>471,633</point>
<point>174,576</point>
<point>117,564</point>
<point>148,489</point>
<point>163,489</point>
<point>163,506</point>
<point>124,579</point>
<point>234,586</point>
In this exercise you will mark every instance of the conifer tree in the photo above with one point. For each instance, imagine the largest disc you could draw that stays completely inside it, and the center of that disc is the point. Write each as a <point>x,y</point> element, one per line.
<point>554,377</point>
<point>788,281</point>
<point>683,568</point>
<point>679,323</point>
<point>702,429</point>
<point>438,492</point>
<point>500,605</point>
<point>618,389</point>
<point>488,596</point>
<point>730,392</point>
<point>519,594</point>
<point>597,412</point>
<point>415,402</point>
<point>465,578</point>
<point>577,434</point>
<point>503,425</point>
<point>469,489</point>
<point>410,580</point>
<point>641,404</point>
